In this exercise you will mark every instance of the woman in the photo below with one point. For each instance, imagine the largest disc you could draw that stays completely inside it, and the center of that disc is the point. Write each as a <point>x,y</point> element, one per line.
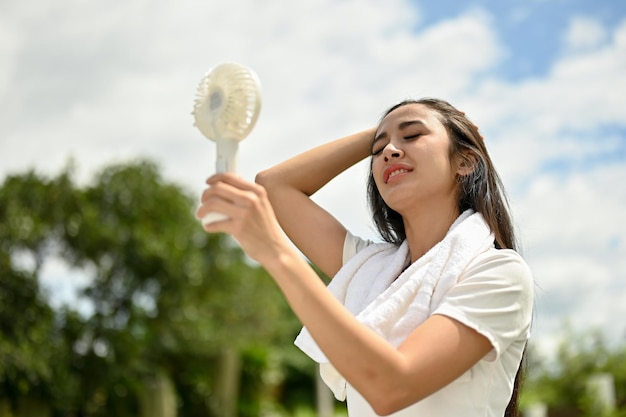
<point>431,322</point>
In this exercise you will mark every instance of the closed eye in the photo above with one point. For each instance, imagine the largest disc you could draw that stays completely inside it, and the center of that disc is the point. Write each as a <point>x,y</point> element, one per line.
<point>377,152</point>
<point>378,148</point>
<point>409,137</point>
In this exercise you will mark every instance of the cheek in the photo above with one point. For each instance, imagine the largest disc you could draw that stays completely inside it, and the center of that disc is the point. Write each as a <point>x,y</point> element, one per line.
<point>441,161</point>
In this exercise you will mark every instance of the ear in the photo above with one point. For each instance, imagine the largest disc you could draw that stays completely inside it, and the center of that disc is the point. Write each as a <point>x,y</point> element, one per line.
<point>465,163</point>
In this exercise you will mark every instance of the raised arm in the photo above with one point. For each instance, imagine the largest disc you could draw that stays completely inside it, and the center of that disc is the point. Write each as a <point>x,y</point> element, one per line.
<point>289,185</point>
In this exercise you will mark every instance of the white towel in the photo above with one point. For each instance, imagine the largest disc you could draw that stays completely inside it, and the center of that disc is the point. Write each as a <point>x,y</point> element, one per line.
<point>375,286</point>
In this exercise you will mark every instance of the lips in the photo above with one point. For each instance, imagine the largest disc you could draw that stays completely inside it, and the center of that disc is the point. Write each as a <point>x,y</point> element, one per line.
<point>395,170</point>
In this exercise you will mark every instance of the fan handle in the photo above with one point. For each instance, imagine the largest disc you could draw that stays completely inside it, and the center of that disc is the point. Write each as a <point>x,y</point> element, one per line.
<point>226,162</point>
<point>226,155</point>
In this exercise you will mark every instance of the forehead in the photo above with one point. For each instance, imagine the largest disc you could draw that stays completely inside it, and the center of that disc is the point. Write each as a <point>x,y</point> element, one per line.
<point>410,112</point>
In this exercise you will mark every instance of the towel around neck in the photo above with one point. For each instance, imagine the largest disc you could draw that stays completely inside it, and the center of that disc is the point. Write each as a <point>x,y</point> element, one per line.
<point>376,286</point>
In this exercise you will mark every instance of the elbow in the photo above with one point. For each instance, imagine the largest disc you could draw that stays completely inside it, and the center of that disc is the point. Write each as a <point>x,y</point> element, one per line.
<point>383,408</point>
<point>268,179</point>
<point>386,400</point>
<point>386,406</point>
<point>263,178</point>
<point>275,182</point>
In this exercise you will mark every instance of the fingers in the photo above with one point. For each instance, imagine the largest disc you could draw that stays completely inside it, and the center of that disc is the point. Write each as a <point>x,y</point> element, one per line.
<point>215,209</point>
<point>233,180</point>
<point>250,217</point>
<point>230,196</point>
<point>238,193</point>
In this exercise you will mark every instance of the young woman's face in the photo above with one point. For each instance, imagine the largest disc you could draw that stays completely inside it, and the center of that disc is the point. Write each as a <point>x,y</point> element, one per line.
<point>411,160</point>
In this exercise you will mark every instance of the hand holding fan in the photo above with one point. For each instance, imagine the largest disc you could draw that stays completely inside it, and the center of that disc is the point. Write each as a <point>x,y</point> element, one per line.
<point>226,108</point>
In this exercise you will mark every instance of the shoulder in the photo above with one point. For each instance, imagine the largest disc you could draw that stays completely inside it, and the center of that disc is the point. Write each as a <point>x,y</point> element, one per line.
<point>498,279</point>
<point>503,265</point>
<point>495,296</point>
<point>352,245</point>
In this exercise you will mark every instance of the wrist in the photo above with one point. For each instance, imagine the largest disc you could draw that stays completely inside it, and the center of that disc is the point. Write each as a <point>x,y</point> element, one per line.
<point>282,261</point>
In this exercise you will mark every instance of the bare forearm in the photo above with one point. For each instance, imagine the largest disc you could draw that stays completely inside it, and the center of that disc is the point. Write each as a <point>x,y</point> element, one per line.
<point>311,170</point>
<point>290,184</point>
<point>368,362</point>
<point>389,379</point>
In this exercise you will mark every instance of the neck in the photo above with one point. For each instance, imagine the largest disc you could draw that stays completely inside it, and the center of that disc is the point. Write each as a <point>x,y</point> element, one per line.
<point>427,226</point>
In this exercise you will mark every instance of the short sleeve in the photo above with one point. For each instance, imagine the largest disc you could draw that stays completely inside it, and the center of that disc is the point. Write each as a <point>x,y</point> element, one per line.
<point>493,296</point>
<point>353,244</point>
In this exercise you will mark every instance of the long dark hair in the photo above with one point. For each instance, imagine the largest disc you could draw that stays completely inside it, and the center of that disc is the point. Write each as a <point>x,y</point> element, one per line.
<point>481,190</point>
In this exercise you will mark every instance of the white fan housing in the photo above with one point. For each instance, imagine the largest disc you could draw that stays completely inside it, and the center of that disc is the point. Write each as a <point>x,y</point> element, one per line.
<point>227,106</point>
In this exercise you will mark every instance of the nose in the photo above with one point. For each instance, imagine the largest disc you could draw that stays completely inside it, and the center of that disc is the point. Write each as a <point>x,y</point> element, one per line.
<point>391,151</point>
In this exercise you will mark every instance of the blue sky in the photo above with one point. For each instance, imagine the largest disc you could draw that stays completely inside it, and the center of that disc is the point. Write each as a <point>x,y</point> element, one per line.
<point>545,80</point>
<point>532,30</point>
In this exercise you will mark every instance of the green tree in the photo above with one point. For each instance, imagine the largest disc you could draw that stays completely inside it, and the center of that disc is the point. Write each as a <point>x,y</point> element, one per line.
<point>168,299</point>
<point>28,231</point>
<point>562,383</point>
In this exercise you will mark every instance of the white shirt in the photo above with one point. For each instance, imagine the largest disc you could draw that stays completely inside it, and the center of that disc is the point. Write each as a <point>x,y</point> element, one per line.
<point>494,296</point>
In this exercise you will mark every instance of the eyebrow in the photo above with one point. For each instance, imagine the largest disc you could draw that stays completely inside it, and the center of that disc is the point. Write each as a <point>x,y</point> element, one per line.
<point>401,126</point>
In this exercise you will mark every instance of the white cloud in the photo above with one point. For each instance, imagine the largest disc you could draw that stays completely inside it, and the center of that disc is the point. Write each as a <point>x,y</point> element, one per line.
<point>574,242</point>
<point>582,208</point>
<point>584,33</point>
<point>534,121</point>
<point>108,82</point>
<point>9,45</point>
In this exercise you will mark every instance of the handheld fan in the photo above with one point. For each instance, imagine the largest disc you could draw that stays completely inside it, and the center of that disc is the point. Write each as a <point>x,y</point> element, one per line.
<point>227,105</point>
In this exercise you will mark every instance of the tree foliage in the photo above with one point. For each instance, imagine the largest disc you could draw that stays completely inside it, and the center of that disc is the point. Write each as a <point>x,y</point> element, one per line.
<point>166,297</point>
<point>562,382</point>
